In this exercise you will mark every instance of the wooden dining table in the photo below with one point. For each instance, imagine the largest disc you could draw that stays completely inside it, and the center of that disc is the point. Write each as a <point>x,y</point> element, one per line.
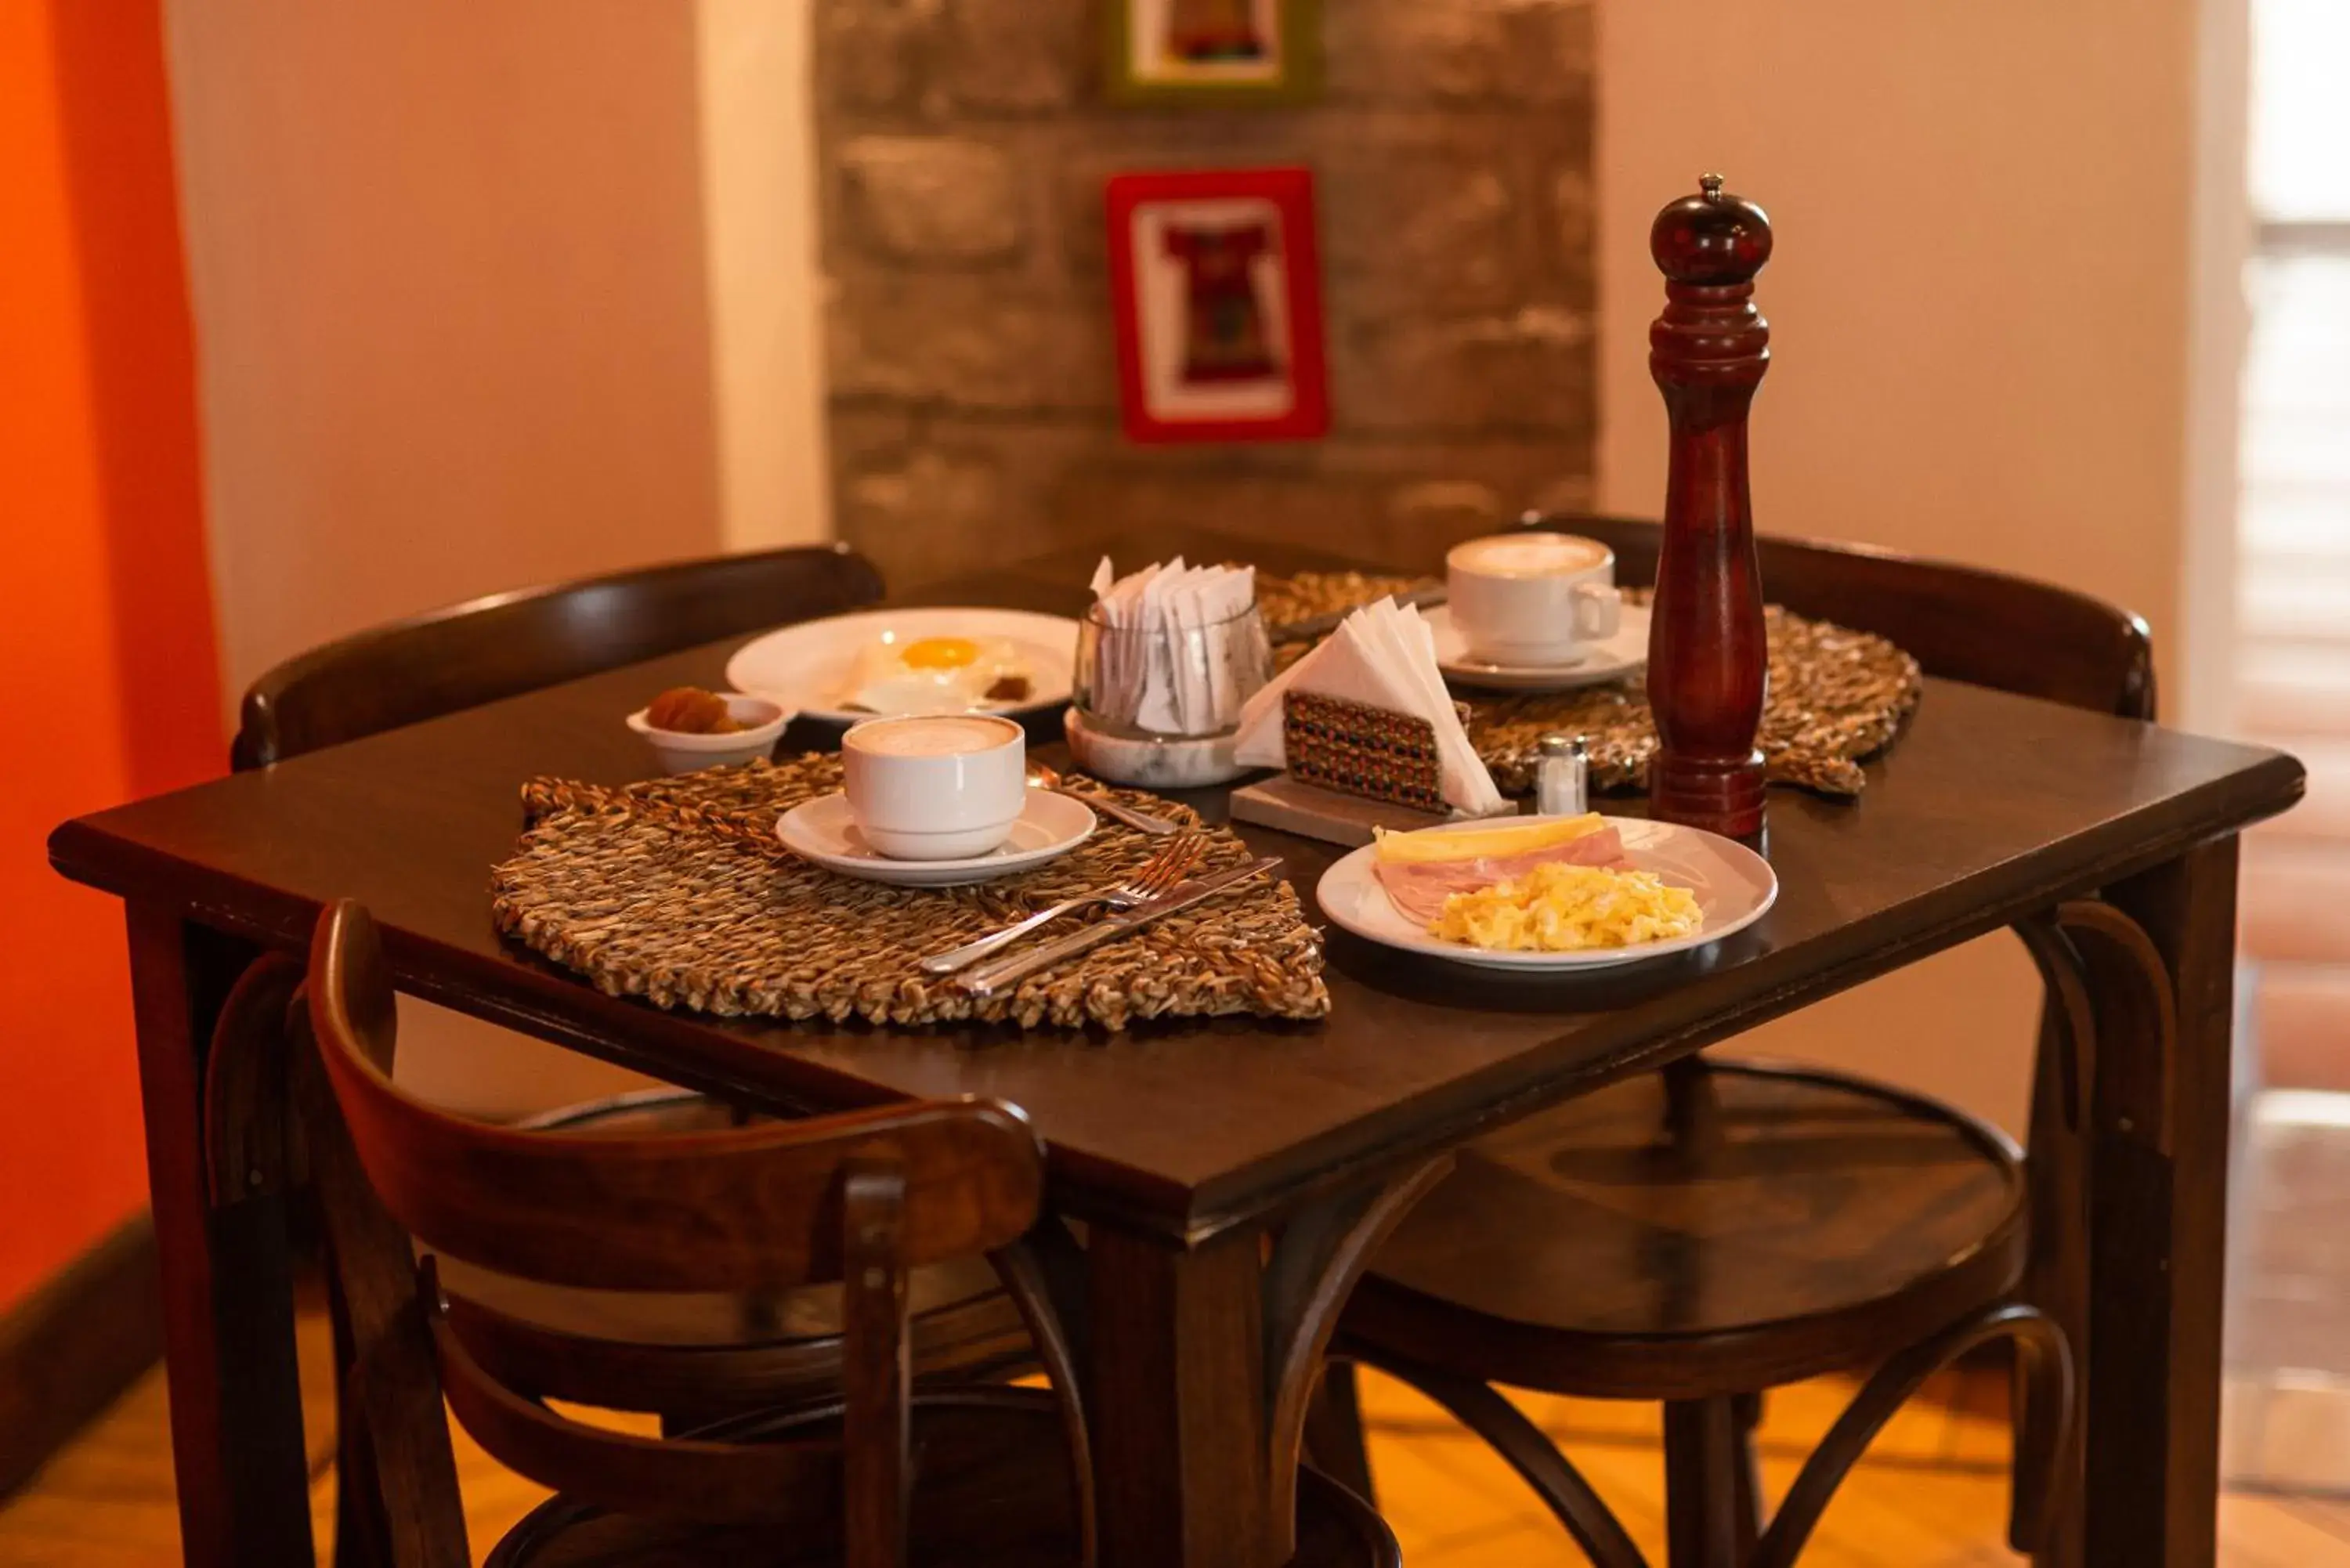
<point>1229,1177</point>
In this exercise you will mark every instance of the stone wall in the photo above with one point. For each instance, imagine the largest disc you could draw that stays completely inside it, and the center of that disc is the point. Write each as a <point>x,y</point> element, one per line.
<point>965,147</point>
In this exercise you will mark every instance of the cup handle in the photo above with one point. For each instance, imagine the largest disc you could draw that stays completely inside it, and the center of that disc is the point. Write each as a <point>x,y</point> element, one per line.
<point>1598,609</point>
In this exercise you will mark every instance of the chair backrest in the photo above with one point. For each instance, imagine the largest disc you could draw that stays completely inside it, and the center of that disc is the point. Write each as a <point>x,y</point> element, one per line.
<point>1963,623</point>
<point>476,652</point>
<point>859,1199</point>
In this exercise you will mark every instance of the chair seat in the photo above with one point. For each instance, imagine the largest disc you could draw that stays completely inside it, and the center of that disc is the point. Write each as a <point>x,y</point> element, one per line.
<point>1828,1223</point>
<point>1004,1497</point>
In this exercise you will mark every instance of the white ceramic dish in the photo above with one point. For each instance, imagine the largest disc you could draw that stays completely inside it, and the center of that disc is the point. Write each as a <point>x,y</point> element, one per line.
<point>764,720</point>
<point>809,666</point>
<point>1609,658</point>
<point>822,830</point>
<point>1734,887</point>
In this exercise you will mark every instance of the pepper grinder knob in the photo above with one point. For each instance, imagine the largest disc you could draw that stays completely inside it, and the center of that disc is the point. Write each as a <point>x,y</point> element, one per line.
<point>1711,239</point>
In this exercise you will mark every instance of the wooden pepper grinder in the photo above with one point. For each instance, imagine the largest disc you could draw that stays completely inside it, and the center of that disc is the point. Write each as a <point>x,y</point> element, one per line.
<point>1707,658</point>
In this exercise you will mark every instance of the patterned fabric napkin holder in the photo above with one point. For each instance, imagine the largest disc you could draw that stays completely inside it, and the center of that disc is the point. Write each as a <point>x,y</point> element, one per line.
<point>1358,749</point>
<point>1352,768</point>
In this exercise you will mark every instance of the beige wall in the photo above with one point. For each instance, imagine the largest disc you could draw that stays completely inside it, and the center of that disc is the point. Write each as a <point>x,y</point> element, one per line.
<point>1979,308</point>
<point>766,292</point>
<point>488,295</point>
<point>492,294</point>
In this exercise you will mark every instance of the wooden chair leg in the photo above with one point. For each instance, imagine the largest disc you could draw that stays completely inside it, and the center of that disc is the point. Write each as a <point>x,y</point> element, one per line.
<point>1335,1440</point>
<point>1748,1410</point>
<point>361,1534</point>
<point>1536,1459</point>
<point>1703,1460</point>
<point>2043,1436</point>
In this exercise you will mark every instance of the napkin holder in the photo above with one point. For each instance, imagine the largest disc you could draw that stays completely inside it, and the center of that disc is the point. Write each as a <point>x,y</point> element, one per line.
<point>1357,749</point>
<point>1352,768</point>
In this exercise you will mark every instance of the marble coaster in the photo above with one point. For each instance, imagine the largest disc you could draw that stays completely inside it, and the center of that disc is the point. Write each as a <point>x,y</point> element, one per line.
<point>1292,805</point>
<point>1153,762</point>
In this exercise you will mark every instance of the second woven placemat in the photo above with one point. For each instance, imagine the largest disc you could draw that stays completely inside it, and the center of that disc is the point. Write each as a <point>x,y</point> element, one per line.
<point>677,890</point>
<point>1836,698</point>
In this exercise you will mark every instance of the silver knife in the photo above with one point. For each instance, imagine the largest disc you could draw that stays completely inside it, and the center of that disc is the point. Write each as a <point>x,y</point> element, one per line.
<point>1312,626</point>
<point>990,977</point>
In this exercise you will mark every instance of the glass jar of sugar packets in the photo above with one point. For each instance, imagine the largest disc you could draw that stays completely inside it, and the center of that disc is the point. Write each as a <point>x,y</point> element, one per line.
<point>1562,776</point>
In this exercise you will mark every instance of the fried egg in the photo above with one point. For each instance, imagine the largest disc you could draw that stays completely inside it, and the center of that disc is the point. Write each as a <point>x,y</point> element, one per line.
<point>938,675</point>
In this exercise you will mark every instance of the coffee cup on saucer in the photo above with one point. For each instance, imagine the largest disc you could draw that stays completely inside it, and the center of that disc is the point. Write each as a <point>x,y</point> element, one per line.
<point>935,787</point>
<point>1532,599</point>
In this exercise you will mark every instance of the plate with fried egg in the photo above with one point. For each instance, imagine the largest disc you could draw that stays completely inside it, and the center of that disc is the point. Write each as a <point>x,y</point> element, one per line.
<point>1549,892</point>
<point>848,668</point>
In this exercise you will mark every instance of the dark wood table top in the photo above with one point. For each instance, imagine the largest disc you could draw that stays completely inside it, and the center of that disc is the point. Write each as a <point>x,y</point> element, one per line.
<point>1989,807</point>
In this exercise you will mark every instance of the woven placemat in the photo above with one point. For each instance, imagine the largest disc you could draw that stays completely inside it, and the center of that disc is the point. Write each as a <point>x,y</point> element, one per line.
<point>1837,697</point>
<point>677,890</point>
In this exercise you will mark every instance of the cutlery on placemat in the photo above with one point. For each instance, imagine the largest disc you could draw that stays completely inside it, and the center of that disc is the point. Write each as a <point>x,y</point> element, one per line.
<point>992,976</point>
<point>1041,776</point>
<point>1171,862</point>
<point>1313,627</point>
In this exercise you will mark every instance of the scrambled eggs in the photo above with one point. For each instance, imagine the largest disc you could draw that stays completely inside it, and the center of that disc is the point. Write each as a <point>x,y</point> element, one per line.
<point>1558,908</point>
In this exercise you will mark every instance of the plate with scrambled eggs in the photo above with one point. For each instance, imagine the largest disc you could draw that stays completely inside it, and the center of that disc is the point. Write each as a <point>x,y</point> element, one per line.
<point>1549,893</point>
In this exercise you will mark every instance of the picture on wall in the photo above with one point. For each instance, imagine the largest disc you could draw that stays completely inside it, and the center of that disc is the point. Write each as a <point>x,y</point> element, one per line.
<point>1216,280</point>
<point>1213,51</point>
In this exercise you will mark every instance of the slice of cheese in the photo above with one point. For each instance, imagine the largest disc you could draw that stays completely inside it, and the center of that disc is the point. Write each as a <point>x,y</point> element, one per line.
<point>1432,845</point>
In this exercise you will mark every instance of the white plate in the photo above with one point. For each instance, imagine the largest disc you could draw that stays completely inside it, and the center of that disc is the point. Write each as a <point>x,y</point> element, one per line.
<point>809,666</point>
<point>823,831</point>
<point>1626,653</point>
<point>1734,887</point>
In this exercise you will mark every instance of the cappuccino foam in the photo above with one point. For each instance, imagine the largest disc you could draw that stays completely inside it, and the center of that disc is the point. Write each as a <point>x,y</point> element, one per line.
<point>943,736</point>
<point>1528,555</point>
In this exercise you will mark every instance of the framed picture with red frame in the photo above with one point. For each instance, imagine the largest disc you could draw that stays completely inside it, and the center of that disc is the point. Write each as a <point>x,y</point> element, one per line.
<point>1216,278</point>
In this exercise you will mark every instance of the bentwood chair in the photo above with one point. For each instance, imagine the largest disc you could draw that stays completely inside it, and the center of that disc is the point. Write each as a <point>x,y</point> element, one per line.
<point>873,1473</point>
<point>506,644</point>
<point>498,646</point>
<point>1699,1236</point>
<point>460,657</point>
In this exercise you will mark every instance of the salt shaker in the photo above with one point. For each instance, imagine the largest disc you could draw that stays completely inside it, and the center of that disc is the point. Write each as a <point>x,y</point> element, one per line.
<point>1562,775</point>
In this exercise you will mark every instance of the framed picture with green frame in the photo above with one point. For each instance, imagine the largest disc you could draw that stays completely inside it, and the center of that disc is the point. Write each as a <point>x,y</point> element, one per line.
<point>1213,52</point>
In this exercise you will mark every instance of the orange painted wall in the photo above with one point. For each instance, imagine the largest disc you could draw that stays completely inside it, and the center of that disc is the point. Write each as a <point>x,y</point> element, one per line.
<point>106,633</point>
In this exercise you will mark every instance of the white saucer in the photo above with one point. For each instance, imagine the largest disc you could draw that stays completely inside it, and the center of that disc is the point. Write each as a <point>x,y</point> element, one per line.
<point>1734,888</point>
<point>822,830</point>
<point>810,667</point>
<point>1612,659</point>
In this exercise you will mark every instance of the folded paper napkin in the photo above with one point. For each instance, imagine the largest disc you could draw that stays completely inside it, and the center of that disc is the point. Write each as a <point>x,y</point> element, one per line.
<point>1383,655</point>
<point>1167,662</point>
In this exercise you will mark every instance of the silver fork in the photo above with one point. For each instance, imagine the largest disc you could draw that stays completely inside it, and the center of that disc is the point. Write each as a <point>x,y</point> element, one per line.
<point>1161,871</point>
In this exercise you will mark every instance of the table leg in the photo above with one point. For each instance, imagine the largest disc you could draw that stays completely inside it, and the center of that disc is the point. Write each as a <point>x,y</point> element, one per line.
<point>1204,1365</point>
<point>1176,1343</point>
<point>2157,1176</point>
<point>228,1335</point>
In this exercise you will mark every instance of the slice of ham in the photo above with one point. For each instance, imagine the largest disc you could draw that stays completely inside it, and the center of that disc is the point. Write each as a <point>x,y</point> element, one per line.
<point>1418,889</point>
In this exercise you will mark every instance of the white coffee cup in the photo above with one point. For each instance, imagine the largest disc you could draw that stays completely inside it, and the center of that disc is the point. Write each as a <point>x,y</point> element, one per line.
<point>935,787</point>
<point>1531,598</point>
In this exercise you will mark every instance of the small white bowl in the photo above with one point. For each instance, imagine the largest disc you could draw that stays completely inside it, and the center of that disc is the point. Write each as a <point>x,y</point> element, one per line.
<point>763,721</point>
